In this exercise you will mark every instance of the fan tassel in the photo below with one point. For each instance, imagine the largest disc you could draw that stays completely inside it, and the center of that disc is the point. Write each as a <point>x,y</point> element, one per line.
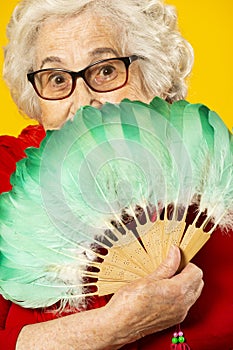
<point>178,341</point>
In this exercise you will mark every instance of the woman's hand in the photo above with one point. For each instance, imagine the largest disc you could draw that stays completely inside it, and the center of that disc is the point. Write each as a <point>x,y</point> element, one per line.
<point>146,306</point>
<point>156,302</point>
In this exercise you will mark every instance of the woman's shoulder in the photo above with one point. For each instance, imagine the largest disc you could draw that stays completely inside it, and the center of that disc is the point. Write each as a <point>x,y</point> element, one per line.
<point>12,150</point>
<point>31,136</point>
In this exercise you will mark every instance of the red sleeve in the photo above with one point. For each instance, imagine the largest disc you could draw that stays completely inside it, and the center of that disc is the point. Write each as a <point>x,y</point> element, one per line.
<point>8,336</point>
<point>13,318</point>
<point>11,151</point>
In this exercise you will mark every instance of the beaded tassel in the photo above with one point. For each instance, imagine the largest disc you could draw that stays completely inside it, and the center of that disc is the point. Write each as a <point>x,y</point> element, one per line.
<point>178,341</point>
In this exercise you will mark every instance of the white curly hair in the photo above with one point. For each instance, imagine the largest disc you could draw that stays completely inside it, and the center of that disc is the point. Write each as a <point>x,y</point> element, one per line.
<point>148,28</point>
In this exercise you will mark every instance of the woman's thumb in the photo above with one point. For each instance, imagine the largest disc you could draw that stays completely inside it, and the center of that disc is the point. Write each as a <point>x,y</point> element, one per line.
<point>169,266</point>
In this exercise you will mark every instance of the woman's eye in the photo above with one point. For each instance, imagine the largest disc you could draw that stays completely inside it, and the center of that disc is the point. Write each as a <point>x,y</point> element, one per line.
<point>57,79</point>
<point>103,74</point>
<point>107,71</point>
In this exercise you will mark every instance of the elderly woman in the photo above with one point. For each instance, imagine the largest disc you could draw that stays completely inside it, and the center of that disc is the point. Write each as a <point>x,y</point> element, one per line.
<point>84,44</point>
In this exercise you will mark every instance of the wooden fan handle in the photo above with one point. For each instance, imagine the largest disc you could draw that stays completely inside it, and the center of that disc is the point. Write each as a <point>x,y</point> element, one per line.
<point>194,239</point>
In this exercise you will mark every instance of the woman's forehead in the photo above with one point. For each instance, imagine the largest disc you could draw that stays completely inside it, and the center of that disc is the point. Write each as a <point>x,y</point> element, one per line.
<point>76,39</point>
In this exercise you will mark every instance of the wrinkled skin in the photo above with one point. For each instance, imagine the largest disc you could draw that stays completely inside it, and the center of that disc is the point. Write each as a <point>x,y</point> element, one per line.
<point>147,305</point>
<point>68,44</point>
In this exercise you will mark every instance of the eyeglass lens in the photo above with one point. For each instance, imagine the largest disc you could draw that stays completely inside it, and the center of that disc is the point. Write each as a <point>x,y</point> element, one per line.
<point>101,77</point>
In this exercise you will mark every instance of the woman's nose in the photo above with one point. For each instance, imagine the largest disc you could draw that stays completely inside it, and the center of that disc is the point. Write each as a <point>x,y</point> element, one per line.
<point>83,96</point>
<point>96,103</point>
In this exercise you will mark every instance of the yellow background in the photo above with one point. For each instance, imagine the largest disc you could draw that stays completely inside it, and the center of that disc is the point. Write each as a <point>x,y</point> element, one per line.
<point>207,24</point>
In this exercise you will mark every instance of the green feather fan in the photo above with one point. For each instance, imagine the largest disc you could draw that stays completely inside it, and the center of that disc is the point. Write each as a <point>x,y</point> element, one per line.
<point>100,202</point>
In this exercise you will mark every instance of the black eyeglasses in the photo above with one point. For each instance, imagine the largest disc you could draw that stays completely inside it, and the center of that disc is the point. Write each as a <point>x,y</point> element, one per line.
<point>102,76</point>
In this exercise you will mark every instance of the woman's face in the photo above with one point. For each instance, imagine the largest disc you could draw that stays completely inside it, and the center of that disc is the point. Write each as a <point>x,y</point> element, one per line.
<point>73,44</point>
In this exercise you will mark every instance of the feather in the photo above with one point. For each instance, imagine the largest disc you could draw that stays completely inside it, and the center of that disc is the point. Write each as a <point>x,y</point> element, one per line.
<point>100,202</point>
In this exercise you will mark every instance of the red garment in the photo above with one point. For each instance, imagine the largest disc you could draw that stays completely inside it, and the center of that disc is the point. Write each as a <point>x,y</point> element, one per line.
<point>209,324</point>
<point>12,150</point>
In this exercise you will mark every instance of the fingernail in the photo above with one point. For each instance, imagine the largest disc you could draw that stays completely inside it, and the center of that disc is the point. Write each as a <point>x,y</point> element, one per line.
<point>171,251</point>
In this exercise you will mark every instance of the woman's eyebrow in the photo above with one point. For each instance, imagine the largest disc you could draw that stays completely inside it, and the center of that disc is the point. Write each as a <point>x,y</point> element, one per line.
<point>103,50</point>
<point>50,59</point>
<point>94,53</point>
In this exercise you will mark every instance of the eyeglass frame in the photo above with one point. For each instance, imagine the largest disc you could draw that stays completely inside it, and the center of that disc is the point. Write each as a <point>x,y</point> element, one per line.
<point>81,74</point>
